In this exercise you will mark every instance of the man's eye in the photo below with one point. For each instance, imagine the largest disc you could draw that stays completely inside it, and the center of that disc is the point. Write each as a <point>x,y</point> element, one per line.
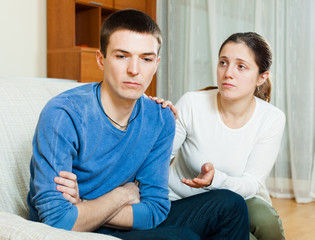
<point>148,59</point>
<point>222,63</point>
<point>120,56</point>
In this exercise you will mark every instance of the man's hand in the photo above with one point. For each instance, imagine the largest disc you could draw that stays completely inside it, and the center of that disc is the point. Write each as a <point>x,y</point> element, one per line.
<point>165,104</point>
<point>133,192</point>
<point>204,178</point>
<point>68,185</point>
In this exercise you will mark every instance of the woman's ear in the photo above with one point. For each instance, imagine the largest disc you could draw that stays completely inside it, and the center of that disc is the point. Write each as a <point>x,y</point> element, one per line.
<point>262,78</point>
<point>100,59</point>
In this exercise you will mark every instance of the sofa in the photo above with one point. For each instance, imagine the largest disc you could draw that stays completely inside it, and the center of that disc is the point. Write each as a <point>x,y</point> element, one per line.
<point>21,101</point>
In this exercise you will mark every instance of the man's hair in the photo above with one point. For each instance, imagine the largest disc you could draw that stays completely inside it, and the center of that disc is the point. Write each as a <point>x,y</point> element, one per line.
<point>132,20</point>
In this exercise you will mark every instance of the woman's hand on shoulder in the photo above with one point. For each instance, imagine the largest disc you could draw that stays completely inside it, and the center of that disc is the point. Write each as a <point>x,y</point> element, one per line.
<point>165,103</point>
<point>204,179</point>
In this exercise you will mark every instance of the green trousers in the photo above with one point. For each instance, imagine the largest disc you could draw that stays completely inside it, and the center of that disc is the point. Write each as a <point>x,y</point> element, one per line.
<point>264,221</point>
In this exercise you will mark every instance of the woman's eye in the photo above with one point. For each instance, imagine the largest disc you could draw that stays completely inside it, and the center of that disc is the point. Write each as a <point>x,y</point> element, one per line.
<point>241,66</point>
<point>222,63</point>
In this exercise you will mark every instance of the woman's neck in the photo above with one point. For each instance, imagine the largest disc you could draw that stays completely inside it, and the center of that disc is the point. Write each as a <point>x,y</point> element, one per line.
<point>235,114</point>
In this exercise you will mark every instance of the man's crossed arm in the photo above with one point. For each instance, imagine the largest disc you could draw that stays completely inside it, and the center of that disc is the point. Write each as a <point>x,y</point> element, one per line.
<point>112,209</point>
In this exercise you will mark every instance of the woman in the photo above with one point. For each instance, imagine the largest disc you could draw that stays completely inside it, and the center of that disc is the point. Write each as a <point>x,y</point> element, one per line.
<point>229,137</point>
<point>232,133</point>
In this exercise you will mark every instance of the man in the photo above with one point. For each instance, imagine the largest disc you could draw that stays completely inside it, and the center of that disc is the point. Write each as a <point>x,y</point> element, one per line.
<point>107,138</point>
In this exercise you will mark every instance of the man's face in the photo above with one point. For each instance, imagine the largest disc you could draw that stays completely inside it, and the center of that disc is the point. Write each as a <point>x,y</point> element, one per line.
<point>130,64</point>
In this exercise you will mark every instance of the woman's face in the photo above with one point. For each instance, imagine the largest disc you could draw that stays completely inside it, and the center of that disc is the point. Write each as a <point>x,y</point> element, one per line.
<point>237,72</point>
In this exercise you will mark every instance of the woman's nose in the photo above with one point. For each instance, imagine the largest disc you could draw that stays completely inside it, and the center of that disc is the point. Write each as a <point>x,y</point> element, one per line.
<point>229,72</point>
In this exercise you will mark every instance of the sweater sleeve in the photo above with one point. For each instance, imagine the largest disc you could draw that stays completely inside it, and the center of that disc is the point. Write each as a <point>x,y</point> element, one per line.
<point>153,177</point>
<point>183,107</point>
<point>54,148</point>
<point>259,164</point>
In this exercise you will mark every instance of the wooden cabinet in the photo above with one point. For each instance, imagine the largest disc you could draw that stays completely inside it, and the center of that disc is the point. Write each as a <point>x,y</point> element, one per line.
<point>103,3</point>
<point>139,4</point>
<point>73,33</point>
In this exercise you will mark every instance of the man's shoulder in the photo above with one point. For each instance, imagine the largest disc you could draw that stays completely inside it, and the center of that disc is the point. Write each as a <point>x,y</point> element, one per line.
<point>153,109</point>
<point>77,95</point>
<point>83,90</point>
<point>75,102</point>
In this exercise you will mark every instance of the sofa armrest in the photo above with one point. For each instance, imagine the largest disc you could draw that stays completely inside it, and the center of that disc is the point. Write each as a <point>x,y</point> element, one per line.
<point>17,228</point>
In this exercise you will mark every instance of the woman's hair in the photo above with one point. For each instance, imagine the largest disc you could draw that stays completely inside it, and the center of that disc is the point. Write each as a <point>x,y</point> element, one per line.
<point>131,20</point>
<point>263,57</point>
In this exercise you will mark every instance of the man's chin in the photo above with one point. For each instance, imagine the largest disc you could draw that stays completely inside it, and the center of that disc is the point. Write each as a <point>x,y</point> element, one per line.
<point>133,97</point>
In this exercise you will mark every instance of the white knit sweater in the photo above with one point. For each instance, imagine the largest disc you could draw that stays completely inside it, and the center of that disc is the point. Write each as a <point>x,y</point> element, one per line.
<point>242,157</point>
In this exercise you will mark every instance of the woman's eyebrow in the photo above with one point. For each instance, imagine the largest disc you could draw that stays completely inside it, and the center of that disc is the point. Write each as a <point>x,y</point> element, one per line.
<point>238,59</point>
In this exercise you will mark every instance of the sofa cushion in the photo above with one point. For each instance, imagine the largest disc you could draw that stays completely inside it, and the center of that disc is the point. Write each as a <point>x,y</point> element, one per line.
<point>15,227</point>
<point>21,101</point>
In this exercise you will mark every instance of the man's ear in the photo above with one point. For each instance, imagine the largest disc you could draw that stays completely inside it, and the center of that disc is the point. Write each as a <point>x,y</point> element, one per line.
<point>263,78</point>
<point>158,60</point>
<point>99,59</point>
<point>157,63</point>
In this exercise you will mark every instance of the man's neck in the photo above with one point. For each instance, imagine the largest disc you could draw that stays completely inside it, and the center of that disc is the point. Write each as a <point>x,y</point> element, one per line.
<point>118,110</point>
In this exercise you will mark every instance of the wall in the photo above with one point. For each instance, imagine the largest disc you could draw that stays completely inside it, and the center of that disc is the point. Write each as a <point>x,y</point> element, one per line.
<point>23,38</point>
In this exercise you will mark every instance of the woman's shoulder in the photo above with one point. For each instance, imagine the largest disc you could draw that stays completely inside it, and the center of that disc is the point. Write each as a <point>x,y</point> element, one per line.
<point>199,95</point>
<point>197,103</point>
<point>269,110</point>
<point>204,93</point>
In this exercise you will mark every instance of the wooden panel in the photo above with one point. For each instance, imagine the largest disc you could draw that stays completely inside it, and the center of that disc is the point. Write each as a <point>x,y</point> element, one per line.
<point>104,14</point>
<point>102,3</point>
<point>90,71</point>
<point>151,90</point>
<point>151,8</point>
<point>136,4</point>
<point>60,24</point>
<point>63,64</point>
<point>87,25</point>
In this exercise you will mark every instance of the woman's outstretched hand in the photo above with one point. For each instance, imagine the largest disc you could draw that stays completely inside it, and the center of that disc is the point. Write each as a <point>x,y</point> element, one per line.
<point>204,179</point>
<point>165,103</point>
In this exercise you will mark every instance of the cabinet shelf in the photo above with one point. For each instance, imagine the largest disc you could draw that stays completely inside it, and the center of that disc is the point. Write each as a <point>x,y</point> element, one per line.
<point>87,25</point>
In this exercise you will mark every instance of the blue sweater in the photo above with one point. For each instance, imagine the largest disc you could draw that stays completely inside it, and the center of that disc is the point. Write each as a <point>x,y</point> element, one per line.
<point>73,134</point>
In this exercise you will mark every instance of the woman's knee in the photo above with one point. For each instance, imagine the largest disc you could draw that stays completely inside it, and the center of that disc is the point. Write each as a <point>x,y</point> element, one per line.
<point>264,220</point>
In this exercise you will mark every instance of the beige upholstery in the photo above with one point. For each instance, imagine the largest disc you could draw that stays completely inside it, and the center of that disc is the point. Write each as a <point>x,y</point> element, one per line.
<point>21,100</point>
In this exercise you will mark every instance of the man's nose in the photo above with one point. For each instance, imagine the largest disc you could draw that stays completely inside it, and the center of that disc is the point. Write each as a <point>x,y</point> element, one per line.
<point>134,66</point>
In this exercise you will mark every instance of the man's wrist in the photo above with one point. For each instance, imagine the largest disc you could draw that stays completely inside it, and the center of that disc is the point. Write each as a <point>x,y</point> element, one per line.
<point>124,196</point>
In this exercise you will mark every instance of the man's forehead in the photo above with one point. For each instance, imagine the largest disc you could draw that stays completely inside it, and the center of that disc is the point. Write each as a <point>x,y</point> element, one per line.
<point>130,41</point>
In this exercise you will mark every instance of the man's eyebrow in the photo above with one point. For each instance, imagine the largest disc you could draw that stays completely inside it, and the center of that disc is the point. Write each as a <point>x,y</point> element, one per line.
<point>126,52</point>
<point>149,53</point>
<point>120,50</point>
